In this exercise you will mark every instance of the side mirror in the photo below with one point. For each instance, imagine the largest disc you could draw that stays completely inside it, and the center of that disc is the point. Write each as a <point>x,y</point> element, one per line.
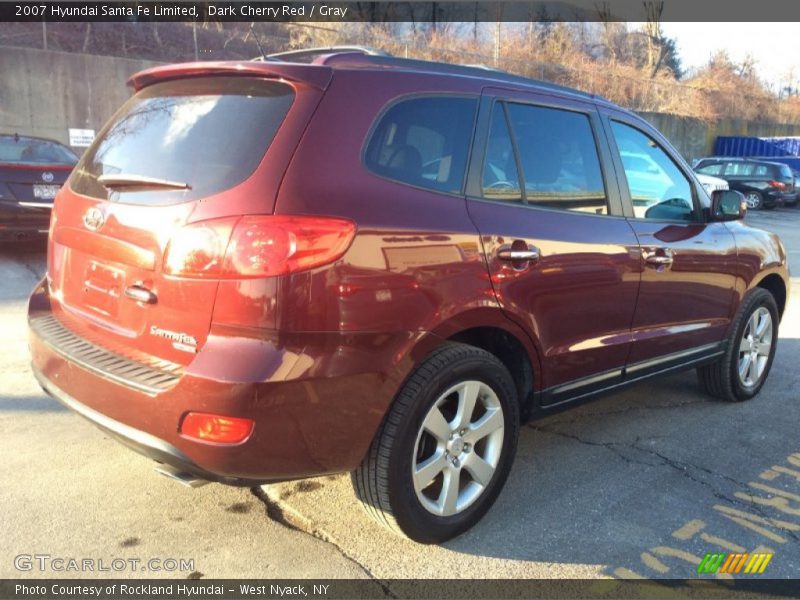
<point>727,205</point>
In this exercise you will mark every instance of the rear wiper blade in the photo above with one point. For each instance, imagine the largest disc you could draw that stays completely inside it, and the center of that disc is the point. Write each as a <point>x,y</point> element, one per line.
<point>140,181</point>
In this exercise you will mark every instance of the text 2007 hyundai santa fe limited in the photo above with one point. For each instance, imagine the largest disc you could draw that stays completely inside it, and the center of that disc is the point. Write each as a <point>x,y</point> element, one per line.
<point>270,269</point>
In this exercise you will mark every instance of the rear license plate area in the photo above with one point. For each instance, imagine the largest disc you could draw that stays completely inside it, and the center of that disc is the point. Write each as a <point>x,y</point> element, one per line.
<point>45,192</point>
<point>102,288</point>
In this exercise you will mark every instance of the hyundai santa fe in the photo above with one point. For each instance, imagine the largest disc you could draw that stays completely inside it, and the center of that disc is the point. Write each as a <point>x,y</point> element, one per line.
<point>341,261</point>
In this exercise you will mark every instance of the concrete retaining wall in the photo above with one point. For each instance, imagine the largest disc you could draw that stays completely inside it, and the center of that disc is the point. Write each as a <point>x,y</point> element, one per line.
<point>695,138</point>
<point>44,93</point>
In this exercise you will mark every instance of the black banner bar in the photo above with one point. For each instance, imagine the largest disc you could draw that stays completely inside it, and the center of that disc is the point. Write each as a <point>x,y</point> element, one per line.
<point>415,11</point>
<point>422,589</point>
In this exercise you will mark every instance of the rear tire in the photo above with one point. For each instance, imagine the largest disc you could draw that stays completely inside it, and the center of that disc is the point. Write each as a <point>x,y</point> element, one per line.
<point>436,465</point>
<point>741,372</point>
<point>754,200</point>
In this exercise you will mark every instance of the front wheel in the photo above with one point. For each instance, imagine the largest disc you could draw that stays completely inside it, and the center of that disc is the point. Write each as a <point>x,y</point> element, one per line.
<point>743,369</point>
<point>445,449</point>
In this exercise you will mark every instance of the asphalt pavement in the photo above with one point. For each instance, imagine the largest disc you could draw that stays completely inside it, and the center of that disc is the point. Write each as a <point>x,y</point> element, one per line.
<point>641,483</point>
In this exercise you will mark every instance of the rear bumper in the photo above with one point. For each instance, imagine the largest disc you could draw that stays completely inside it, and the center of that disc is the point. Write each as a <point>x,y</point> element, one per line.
<point>139,441</point>
<point>317,399</point>
<point>10,232</point>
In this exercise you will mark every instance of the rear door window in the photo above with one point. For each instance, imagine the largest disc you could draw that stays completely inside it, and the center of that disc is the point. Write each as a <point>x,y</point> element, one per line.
<point>738,168</point>
<point>424,142</point>
<point>544,157</point>
<point>209,133</point>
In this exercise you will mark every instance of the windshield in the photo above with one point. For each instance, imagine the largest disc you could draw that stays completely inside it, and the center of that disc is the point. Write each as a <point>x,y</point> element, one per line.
<point>20,150</point>
<point>209,133</point>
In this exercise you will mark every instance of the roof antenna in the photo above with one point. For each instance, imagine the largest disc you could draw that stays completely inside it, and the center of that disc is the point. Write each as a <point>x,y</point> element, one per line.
<point>255,37</point>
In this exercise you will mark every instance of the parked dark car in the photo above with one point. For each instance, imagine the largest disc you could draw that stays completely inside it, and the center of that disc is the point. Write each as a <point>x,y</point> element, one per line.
<point>31,172</point>
<point>268,270</point>
<point>764,184</point>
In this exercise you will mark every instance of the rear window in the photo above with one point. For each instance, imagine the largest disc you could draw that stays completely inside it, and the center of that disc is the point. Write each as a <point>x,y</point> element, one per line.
<point>424,142</point>
<point>209,133</point>
<point>786,171</point>
<point>712,169</point>
<point>20,150</point>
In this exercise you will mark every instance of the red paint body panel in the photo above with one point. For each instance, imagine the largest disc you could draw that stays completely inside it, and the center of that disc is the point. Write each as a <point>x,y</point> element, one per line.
<point>690,303</point>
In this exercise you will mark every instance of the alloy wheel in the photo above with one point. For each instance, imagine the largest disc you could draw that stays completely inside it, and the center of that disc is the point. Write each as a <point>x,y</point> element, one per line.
<point>754,347</point>
<point>753,200</point>
<point>458,448</point>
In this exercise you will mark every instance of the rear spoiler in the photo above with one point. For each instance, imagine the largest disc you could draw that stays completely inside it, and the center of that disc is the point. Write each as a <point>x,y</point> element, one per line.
<point>317,76</point>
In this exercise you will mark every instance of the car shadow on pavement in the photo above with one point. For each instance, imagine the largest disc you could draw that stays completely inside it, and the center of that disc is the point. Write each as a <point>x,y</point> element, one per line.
<point>30,403</point>
<point>640,481</point>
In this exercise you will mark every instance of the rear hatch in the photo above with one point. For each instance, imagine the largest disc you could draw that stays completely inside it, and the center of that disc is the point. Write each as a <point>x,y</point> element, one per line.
<point>183,150</point>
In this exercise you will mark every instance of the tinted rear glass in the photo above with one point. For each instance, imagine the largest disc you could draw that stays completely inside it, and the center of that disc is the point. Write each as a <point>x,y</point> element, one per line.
<point>19,150</point>
<point>209,133</point>
<point>786,172</point>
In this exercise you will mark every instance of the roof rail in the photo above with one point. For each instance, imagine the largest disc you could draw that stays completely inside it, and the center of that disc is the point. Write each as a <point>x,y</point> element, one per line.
<point>311,53</point>
<point>387,60</point>
<point>343,56</point>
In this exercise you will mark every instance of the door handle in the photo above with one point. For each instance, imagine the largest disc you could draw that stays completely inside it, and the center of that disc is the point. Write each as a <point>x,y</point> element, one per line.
<point>532,254</point>
<point>658,259</point>
<point>140,294</point>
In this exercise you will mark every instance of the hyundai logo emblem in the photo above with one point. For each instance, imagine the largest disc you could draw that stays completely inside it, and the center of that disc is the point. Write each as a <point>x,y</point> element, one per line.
<point>94,218</point>
<point>47,177</point>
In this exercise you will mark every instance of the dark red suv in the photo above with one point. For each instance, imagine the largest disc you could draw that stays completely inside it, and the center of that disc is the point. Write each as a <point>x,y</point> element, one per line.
<point>270,270</point>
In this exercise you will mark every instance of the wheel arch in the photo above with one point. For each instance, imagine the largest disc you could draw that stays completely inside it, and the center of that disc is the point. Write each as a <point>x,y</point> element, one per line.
<point>490,330</point>
<point>776,286</point>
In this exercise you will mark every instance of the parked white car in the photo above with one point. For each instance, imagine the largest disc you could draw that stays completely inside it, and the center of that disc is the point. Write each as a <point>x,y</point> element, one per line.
<point>711,183</point>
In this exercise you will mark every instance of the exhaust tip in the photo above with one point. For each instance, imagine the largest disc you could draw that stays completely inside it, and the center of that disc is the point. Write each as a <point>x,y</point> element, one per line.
<point>181,477</point>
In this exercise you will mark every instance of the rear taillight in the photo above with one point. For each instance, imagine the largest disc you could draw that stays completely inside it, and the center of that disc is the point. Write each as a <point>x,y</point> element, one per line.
<point>777,185</point>
<point>257,246</point>
<point>217,429</point>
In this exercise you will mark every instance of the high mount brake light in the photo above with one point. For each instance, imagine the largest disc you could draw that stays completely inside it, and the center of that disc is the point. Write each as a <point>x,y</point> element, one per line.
<point>257,246</point>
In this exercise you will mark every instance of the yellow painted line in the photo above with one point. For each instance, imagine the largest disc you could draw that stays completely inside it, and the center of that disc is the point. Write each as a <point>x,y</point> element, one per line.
<point>689,530</point>
<point>652,562</point>
<point>782,504</point>
<point>760,530</point>
<point>776,491</point>
<point>778,523</point>
<point>722,543</point>
<point>769,474</point>
<point>683,555</point>
<point>785,471</point>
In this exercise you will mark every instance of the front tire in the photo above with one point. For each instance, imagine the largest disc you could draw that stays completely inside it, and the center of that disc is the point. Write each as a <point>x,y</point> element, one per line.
<point>444,451</point>
<point>741,372</point>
